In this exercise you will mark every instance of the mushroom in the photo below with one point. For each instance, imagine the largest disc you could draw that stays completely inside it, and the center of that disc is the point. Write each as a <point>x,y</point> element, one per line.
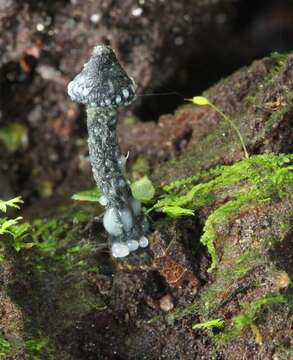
<point>103,86</point>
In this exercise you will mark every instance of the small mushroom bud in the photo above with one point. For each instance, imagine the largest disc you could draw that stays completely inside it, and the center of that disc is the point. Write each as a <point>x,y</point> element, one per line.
<point>102,86</point>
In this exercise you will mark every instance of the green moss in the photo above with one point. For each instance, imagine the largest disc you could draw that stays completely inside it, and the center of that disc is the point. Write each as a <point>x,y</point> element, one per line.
<point>245,262</point>
<point>51,239</point>
<point>258,178</point>
<point>55,245</point>
<point>14,136</point>
<point>228,279</point>
<point>279,57</point>
<point>5,347</point>
<point>248,317</point>
<point>217,216</point>
<point>257,304</point>
<point>249,100</point>
<point>46,234</point>
<point>36,347</point>
<point>279,113</point>
<point>210,324</point>
<point>281,61</point>
<point>57,274</point>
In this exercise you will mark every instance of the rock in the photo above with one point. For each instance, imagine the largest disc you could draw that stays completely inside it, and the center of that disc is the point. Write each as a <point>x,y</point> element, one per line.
<point>258,101</point>
<point>166,303</point>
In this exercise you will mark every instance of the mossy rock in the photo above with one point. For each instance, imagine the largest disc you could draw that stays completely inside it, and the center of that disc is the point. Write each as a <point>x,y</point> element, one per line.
<point>259,101</point>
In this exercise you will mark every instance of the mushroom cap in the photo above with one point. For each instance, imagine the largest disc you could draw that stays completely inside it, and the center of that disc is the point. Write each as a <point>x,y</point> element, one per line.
<point>102,81</point>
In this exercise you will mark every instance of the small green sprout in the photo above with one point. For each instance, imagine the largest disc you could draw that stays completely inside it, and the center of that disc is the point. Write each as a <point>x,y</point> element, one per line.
<point>202,101</point>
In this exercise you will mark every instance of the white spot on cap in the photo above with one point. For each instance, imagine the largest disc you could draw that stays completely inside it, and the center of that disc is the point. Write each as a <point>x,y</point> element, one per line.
<point>119,250</point>
<point>108,102</point>
<point>40,27</point>
<point>95,18</point>
<point>137,12</point>
<point>143,242</point>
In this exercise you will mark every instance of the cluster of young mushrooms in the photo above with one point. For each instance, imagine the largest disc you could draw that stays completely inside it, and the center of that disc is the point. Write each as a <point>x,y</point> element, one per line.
<point>103,86</point>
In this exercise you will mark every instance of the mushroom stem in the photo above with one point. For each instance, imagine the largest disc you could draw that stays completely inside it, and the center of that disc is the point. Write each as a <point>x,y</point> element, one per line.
<point>123,219</point>
<point>105,154</point>
<point>102,86</point>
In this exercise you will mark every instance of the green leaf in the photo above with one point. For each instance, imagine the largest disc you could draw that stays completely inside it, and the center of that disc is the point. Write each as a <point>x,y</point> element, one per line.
<point>177,211</point>
<point>88,195</point>
<point>14,203</point>
<point>200,100</point>
<point>215,323</point>
<point>143,190</point>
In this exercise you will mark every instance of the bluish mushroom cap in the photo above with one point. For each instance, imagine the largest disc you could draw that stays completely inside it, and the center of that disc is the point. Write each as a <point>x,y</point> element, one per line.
<point>102,81</point>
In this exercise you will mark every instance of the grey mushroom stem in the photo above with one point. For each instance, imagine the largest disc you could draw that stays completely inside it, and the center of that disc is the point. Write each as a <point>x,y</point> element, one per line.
<point>102,86</point>
<point>123,218</point>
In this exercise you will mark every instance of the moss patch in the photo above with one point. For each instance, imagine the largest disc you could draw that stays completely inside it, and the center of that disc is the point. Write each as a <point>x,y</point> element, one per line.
<point>228,189</point>
<point>5,347</point>
<point>248,317</point>
<point>246,209</point>
<point>56,272</point>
